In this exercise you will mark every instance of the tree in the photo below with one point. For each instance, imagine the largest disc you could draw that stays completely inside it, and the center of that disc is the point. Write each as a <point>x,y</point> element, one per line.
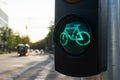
<point>25,40</point>
<point>11,40</point>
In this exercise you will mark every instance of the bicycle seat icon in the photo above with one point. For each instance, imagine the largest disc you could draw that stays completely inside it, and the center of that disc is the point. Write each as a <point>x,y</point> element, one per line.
<point>82,38</point>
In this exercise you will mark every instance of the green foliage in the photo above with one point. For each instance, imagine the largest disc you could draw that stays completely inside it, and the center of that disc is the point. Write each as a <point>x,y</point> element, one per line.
<point>38,45</point>
<point>11,39</point>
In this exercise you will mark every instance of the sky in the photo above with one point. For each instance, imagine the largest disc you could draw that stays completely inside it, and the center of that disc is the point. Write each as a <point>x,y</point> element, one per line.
<point>29,17</point>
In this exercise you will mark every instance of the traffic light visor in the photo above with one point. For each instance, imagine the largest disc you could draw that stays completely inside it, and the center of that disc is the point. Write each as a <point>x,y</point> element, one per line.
<point>72,1</point>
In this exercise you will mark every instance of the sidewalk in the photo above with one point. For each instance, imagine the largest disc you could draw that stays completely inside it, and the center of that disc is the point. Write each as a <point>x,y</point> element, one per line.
<point>8,54</point>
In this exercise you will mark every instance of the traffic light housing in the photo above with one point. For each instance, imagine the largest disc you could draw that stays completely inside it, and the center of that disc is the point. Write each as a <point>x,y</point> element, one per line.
<point>80,44</point>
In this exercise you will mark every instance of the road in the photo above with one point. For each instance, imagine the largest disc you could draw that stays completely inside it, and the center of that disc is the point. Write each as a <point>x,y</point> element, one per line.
<point>33,67</point>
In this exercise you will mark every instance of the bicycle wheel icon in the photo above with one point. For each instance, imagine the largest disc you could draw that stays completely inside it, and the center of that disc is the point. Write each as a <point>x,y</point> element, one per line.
<point>85,38</point>
<point>63,39</point>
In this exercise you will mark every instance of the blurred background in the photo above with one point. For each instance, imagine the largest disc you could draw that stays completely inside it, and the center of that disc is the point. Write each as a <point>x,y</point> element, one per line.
<point>27,22</point>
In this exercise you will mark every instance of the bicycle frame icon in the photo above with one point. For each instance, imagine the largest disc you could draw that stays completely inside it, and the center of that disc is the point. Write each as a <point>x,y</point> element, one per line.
<point>82,38</point>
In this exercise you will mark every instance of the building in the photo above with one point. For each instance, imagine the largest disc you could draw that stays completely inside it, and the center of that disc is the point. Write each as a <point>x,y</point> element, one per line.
<point>3,19</point>
<point>4,25</point>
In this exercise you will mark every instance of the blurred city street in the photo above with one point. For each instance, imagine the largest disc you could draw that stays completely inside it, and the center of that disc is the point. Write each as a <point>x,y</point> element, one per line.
<point>36,66</point>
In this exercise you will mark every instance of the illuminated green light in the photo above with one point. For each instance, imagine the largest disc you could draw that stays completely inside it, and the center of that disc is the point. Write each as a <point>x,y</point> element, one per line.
<point>74,35</point>
<point>72,32</point>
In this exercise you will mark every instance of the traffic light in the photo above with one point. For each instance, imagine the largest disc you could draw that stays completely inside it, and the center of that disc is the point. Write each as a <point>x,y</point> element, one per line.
<point>80,43</point>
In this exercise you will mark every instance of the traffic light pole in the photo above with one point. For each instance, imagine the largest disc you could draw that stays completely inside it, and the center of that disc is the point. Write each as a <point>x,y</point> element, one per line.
<point>114,40</point>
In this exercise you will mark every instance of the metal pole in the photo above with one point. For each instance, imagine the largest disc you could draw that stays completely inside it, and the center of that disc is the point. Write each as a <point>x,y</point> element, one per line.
<point>114,43</point>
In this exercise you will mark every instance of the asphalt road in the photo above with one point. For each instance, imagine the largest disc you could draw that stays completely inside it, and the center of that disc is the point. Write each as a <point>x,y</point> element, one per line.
<point>33,67</point>
<point>11,65</point>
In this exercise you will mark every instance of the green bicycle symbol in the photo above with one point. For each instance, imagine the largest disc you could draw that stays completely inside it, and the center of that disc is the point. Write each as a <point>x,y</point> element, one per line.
<point>82,38</point>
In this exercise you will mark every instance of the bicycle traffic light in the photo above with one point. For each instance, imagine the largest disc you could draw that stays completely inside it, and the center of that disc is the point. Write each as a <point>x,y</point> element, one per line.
<point>80,45</point>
